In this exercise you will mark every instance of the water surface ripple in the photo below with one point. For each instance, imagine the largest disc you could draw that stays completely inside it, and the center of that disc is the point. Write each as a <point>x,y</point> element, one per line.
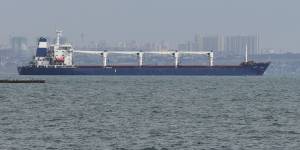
<point>90,112</point>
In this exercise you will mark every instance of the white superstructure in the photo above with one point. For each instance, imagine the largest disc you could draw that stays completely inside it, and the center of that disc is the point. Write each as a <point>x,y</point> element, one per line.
<point>62,53</point>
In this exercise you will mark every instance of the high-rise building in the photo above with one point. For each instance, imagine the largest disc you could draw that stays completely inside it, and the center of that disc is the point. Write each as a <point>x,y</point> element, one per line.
<point>236,45</point>
<point>187,46</point>
<point>198,42</point>
<point>229,45</point>
<point>208,43</point>
<point>18,43</point>
<point>213,43</point>
<point>149,46</point>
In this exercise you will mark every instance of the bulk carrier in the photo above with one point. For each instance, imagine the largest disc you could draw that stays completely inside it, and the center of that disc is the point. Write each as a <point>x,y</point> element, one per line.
<point>57,59</point>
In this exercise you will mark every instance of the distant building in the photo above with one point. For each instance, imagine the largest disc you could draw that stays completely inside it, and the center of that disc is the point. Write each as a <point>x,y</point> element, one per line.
<point>149,46</point>
<point>236,45</point>
<point>18,43</point>
<point>187,46</point>
<point>101,45</point>
<point>132,45</point>
<point>198,42</point>
<point>213,43</point>
<point>229,45</point>
<point>163,46</point>
<point>204,43</point>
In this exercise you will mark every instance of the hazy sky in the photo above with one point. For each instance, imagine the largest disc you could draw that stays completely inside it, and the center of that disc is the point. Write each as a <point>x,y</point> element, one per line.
<point>278,21</point>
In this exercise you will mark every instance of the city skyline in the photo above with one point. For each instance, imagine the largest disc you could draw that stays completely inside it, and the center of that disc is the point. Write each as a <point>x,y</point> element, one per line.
<point>171,20</point>
<point>221,44</point>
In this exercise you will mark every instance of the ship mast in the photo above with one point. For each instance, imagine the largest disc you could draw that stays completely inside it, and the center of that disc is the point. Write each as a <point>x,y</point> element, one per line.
<point>58,33</point>
<point>246,54</point>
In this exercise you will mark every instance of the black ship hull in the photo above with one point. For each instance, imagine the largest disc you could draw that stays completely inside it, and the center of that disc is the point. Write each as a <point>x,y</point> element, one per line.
<point>251,69</point>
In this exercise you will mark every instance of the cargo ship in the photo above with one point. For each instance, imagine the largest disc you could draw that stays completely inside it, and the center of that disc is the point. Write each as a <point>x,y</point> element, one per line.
<point>57,59</point>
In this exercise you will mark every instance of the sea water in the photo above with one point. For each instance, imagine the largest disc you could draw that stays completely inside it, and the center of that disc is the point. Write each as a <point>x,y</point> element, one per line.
<point>151,112</point>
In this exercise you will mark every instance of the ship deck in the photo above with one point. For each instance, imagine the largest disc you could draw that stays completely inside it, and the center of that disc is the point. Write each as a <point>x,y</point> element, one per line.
<point>151,66</point>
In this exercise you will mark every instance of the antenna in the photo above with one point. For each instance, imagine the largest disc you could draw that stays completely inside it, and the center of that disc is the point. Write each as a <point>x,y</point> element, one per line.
<point>58,33</point>
<point>246,54</point>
